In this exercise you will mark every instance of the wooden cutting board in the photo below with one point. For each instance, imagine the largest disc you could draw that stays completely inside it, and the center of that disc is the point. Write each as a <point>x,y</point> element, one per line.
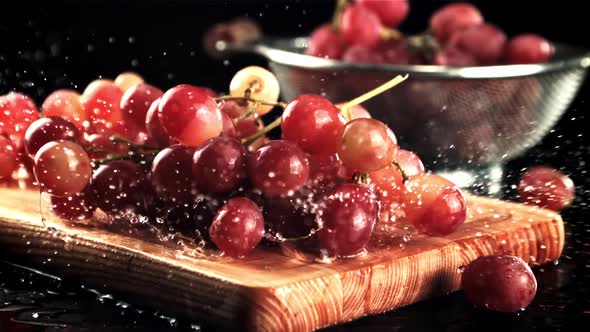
<point>270,291</point>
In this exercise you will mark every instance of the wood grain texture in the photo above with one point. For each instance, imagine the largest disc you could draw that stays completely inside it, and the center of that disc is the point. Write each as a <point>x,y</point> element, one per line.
<point>270,291</point>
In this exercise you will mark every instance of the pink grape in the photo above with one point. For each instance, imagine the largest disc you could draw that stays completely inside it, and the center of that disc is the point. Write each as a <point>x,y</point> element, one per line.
<point>546,187</point>
<point>49,129</point>
<point>360,26</point>
<point>485,42</point>
<point>362,54</point>
<point>8,158</point>
<point>171,175</point>
<point>219,165</point>
<point>452,18</point>
<point>409,162</point>
<point>135,104</point>
<point>391,12</point>
<point>527,48</point>
<point>325,42</point>
<point>154,126</point>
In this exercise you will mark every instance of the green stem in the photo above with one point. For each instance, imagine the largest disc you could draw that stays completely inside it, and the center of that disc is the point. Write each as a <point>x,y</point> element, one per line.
<point>251,139</point>
<point>340,6</point>
<point>262,102</point>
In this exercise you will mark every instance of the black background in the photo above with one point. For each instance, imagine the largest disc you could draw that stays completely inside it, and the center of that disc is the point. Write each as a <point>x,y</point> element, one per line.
<point>47,45</point>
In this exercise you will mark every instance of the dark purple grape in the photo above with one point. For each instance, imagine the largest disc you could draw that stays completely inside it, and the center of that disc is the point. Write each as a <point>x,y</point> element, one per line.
<point>171,174</point>
<point>219,165</point>
<point>499,283</point>
<point>347,219</point>
<point>238,227</point>
<point>78,207</point>
<point>289,217</point>
<point>120,186</point>
<point>45,130</point>
<point>191,220</point>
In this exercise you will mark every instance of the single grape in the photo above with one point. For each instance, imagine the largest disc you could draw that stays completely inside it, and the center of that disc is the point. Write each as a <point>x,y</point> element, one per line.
<point>499,283</point>
<point>314,123</point>
<point>238,227</point>
<point>62,168</point>
<point>354,112</point>
<point>210,92</point>
<point>453,57</point>
<point>101,145</point>
<point>397,52</point>
<point>484,42</point>
<point>366,145</point>
<point>362,54</point>
<point>119,186</point>
<point>101,101</point>
<point>348,219</point>
<point>360,26</point>
<point>546,187</point>
<point>323,169</point>
<point>409,162</point>
<point>78,207</point>
<point>171,174</point>
<point>325,42</point>
<point>8,158</point>
<point>126,81</point>
<point>17,112</point>
<point>234,108</point>
<point>154,126</point>
<point>66,104</point>
<point>389,184</point>
<point>49,129</point>
<point>189,115</point>
<point>135,104</point>
<point>527,48</point>
<point>434,205</point>
<point>452,18</point>
<point>278,168</point>
<point>261,84</point>
<point>219,165</point>
<point>391,12</point>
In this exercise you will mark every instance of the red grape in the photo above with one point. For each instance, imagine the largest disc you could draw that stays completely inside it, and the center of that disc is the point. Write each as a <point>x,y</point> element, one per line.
<point>391,12</point>
<point>219,165</point>
<point>348,219</point>
<point>102,100</point>
<point>499,283</point>
<point>278,168</point>
<point>314,123</point>
<point>66,104</point>
<point>189,115</point>
<point>355,112</point>
<point>546,187</point>
<point>120,185</point>
<point>127,80</point>
<point>360,26</point>
<point>484,42</point>
<point>62,168</point>
<point>154,126</point>
<point>323,169</point>
<point>191,220</point>
<point>229,129</point>
<point>389,184</point>
<point>409,162</point>
<point>452,18</point>
<point>396,52</point>
<point>8,160</point>
<point>210,92</point>
<point>362,54</point>
<point>434,205</point>
<point>453,57</point>
<point>135,103</point>
<point>238,227</point>
<point>49,129</point>
<point>17,112</point>
<point>366,145</point>
<point>527,48</point>
<point>325,42</point>
<point>247,127</point>
<point>234,108</point>
<point>78,207</point>
<point>171,174</point>
<point>104,142</point>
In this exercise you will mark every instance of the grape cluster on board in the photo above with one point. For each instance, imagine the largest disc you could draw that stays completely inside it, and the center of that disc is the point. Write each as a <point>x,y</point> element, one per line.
<point>364,31</point>
<point>188,161</point>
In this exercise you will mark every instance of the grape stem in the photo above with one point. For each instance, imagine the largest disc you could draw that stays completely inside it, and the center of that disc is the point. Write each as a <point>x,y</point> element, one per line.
<point>405,176</point>
<point>248,114</point>
<point>380,89</point>
<point>135,146</point>
<point>361,178</point>
<point>262,102</point>
<point>250,139</point>
<point>388,34</point>
<point>340,6</point>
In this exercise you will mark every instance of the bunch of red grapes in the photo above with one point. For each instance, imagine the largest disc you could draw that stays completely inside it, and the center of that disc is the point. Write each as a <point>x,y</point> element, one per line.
<point>363,31</point>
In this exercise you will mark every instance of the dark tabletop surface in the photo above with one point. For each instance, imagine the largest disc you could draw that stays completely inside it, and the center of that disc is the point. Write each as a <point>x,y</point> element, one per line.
<point>48,46</point>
